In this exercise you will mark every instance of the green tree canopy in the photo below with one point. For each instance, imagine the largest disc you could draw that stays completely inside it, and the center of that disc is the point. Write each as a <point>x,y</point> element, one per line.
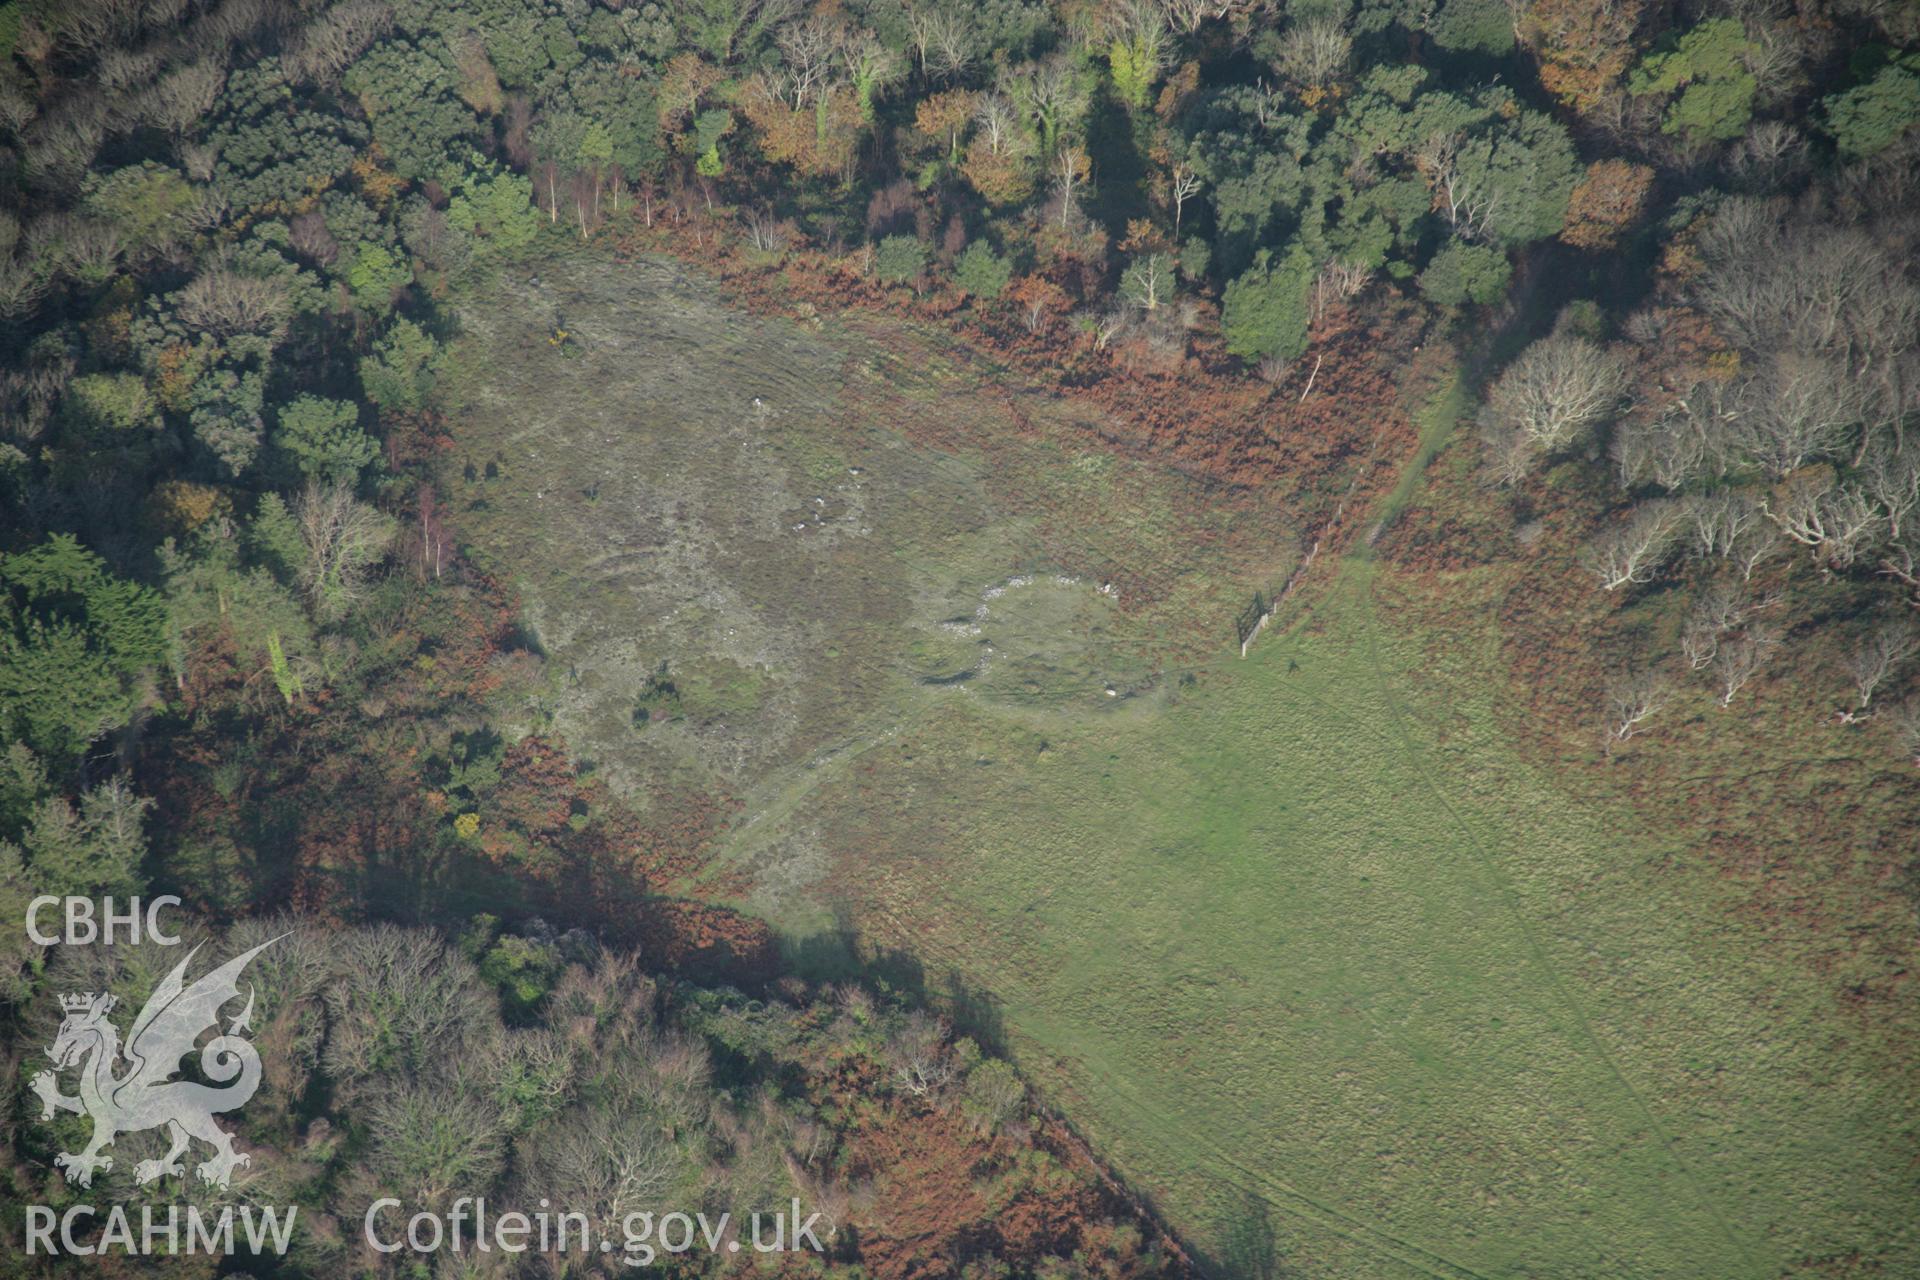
<point>495,208</point>
<point>409,92</point>
<point>375,274</point>
<point>982,272</point>
<point>111,401</point>
<point>74,640</point>
<point>323,438</point>
<point>271,145</point>
<point>1483,25</point>
<point>401,371</point>
<point>148,203</point>
<point>1706,67</point>
<point>1264,311</point>
<point>1462,273</point>
<point>899,259</point>
<point>47,846</point>
<point>1871,117</point>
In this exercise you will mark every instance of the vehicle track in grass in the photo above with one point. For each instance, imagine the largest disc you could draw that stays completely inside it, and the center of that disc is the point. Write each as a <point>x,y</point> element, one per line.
<point>1353,580</point>
<point>1563,991</point>
<point>1344,600</point>
<point>1356,573</point>
<point>1277,1192</point>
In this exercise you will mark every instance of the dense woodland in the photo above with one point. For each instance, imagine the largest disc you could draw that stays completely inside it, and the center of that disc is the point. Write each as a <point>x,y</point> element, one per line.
<point>242,660</point>
<point>553,1070</point>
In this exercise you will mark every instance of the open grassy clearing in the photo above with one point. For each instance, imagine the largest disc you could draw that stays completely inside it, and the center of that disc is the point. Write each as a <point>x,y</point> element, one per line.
<point>1308,939</point>
<point>754,548</point>
<point>1328,969</point>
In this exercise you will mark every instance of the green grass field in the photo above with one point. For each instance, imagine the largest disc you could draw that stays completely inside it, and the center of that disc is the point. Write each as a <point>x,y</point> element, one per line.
<point>1313,953</point>
<point>1330,972</point>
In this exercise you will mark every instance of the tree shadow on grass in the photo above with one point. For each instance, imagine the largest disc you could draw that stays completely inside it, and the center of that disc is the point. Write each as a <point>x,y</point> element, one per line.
<point>1249,1249</point>
<point>840,955</point>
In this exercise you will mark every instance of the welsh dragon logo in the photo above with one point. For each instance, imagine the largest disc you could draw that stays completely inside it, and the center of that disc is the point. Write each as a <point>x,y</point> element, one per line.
<point>144,1095</point>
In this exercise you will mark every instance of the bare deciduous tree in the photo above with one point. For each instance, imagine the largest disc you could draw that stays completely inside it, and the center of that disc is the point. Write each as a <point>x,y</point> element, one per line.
<point>1634,551</point>
<point>1668,451</point>
<point>1559,387</point>
<point>1891,474</point>
<point>610,1160</point>
<point>400,1001</point>
<point>1773,56</point>
<point>1070,173</point>
<point>871,65</point>
<point>1106,325</point>
<point>1772,287</point>
<point>1510,455</point>
<point>1721,608</point>
<point>1717,610</point>
<point>90,26</point>
<point>918,1051</point>
<point>810,60</point>
<point>17,106</point>
<point>345,538</point>
<point>1879,653</point>
<point>1772,151</point>
<point>197,158</point>
<point>123,70</point>
<point>1720,520</point>
<point>1187,16</point>
<point>765,232</point>
<point>308,234</point>
<point>21,289</point>
<point>941,40</point>
<point>58,156</point>
<point>211,212</point>
<point>91,250</point>
<point>329,44</point>
<point>229,302</point>
<point>1141,25</point>
<point>1337,281</point>
<point>1699,643</point>
<point>1837,521</point>
<point>1753,546</point>
<point>1315,53</point>
<point>1148,282</point>
<point>1797,411</point>
<point>433,1140</point>
<point>1738,661</point>
<point>1048,90</point>
<point>1470,206</point>
<point>1183,184</point>
<point>1905,720</point>
<point>1633,697</point>
<point>184,96</point>
<point>997,121</point>
<point>1900,565</point>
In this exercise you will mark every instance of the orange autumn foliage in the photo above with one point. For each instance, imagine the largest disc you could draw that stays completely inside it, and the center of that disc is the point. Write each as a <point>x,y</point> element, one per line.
<point>1606,203</point>
<point>1584,46</point>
